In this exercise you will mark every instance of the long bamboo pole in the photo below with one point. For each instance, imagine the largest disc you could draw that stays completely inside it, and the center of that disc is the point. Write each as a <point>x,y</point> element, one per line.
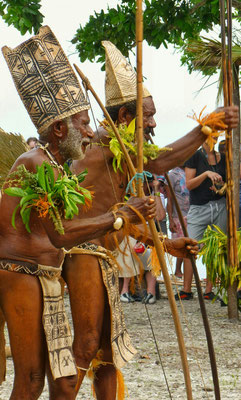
<point>139,103</point>
<point>228,100</point>
<point>156,242</point>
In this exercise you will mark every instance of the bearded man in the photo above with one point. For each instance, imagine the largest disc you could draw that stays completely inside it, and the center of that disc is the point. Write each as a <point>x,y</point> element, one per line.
<point>30,263</point>
<point>90,295</point>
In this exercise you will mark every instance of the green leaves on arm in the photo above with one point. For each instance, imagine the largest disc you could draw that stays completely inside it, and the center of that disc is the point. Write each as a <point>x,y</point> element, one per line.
<point>41,177</point>
<point>15,191</point>
<point>14,216</point>
<point>82,175</point>
<point>58,198</point>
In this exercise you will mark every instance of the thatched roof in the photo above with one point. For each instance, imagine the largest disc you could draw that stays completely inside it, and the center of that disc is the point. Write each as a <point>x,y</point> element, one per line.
<point>11,147</point>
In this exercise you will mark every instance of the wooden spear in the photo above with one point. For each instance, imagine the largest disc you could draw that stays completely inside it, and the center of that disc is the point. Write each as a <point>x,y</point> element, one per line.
<point>201,300</point>
<point>156,240</point>
<point>228,100</point>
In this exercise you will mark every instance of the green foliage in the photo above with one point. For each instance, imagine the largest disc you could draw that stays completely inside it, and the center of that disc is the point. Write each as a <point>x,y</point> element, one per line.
<point>169,21</point>
<point>58,198</point>
<point>24,15</point>
<point>127,134</point>
<point>214,256</point>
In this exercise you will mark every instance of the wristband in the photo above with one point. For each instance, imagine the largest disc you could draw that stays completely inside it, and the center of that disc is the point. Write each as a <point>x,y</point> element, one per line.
<point>206,130</point>
<point>158,194</point>
<point>118,223</point>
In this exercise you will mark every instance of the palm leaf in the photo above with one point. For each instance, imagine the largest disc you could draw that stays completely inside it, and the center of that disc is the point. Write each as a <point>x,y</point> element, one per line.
<point>206,56</point>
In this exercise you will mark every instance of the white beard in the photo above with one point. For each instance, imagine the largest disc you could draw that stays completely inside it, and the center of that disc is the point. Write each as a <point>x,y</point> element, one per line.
<point>71,147</point>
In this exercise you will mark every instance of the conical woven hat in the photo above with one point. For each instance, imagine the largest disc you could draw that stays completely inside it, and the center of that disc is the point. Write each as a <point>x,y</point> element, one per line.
<point>120,78</point>
<point>44,79</point>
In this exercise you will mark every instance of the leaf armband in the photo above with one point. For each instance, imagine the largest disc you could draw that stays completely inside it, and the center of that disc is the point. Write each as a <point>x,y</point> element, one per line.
<point>59,198</point>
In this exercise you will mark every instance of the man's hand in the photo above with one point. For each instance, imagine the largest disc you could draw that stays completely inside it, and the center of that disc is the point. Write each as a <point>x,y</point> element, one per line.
<point>182,247</point>
<point>145,206</point>
<point>231,118</point>
<point>172,225</point>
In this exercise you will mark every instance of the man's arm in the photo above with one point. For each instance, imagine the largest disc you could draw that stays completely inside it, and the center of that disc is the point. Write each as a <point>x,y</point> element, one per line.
<point>184,148</point>
<point>160,210</point>
<point>78,231</point>
<point>182,247</point>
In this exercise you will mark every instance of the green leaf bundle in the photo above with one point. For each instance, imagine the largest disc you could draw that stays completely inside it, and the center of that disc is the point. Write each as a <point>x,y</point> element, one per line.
<point>127,134</point>
<point>214,256</point>
<point>59,198</point>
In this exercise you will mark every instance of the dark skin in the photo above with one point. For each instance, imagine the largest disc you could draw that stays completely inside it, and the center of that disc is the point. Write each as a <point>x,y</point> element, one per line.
<point>42,246</point>
<point>82,273</point>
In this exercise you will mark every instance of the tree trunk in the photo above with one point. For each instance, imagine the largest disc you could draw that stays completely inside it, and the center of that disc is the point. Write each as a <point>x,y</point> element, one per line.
<point>232,290</point>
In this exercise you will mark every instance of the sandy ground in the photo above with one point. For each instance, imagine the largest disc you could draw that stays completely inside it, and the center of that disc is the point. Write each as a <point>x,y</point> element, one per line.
<point>144,375</point>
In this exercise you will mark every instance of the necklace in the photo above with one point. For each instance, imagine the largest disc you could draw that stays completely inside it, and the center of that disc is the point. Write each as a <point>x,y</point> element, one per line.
<point>212,166</point>
<point>53,160</point>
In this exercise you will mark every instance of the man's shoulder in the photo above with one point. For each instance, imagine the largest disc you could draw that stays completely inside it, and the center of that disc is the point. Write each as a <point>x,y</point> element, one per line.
<point>30,159</point>
<point>101,135</point>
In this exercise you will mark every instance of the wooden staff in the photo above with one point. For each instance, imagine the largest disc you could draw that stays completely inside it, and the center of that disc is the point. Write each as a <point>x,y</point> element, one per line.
<point>228,100</point>
<point>139,103</point>
<point>200,298</point>
<point>156,240</point>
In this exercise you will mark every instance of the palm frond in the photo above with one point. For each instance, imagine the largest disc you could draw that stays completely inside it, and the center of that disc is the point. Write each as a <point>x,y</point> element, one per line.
<point>205,55</point>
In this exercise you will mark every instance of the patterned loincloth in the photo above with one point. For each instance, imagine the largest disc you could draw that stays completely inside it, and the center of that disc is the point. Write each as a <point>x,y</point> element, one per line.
<point>122,349</point>
<point>55,321</point>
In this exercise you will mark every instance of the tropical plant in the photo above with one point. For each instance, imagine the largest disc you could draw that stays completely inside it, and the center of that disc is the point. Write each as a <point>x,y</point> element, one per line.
<point>165,22</point>
<point>205,55</point>
<point>214,256</point>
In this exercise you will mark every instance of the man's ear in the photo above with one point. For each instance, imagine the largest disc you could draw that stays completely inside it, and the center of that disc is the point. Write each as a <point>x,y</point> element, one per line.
<point>124,116</point>
<point>60,129</point>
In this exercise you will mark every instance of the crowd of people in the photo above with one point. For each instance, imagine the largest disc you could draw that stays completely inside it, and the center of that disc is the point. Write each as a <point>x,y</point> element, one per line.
<point>35,252</point>
<point>197,185</point>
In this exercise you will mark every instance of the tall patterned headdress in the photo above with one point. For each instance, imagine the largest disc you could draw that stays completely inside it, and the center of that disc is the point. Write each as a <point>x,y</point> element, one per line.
<point>120,78</point>
<point>44,79</point>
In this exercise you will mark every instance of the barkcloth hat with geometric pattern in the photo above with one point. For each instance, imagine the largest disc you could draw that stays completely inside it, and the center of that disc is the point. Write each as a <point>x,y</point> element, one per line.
<point>45,79</point>
<point>120,78</point>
